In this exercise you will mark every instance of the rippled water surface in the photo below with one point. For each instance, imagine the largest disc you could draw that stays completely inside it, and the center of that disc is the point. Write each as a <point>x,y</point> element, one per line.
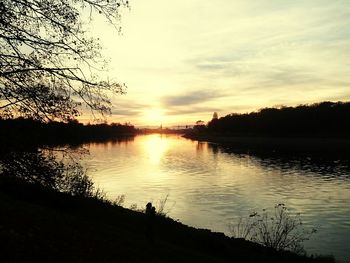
<point>211,186</point>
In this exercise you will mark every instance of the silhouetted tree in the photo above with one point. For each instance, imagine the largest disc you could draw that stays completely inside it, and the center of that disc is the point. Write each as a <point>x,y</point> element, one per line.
<point>23,133</point>
<point>323,119</point>
<point>47,63</point>
<point>200,122</point>
<point>199,127</point>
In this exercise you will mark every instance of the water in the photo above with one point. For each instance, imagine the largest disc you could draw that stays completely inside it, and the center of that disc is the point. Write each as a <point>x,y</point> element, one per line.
<point>211,186</point>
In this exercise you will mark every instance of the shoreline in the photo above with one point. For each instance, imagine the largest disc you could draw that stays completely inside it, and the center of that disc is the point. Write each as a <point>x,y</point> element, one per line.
<point>297,145</point>
<point>42,224</point>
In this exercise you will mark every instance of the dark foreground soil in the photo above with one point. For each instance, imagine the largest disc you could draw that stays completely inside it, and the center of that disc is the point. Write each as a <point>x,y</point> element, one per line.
<point>39,225</point>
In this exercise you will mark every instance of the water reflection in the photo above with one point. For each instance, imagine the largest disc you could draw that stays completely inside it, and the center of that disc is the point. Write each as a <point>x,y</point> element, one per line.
<point>213,185</point>
<point>156,147</point>
<point>326,165</point>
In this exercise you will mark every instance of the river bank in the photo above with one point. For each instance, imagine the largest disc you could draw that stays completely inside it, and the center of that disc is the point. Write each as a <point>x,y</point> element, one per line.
<point>44,225</point>
<point>299,145</point>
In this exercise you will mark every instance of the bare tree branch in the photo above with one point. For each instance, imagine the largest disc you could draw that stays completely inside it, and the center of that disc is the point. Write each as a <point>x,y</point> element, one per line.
<point>44,56</point>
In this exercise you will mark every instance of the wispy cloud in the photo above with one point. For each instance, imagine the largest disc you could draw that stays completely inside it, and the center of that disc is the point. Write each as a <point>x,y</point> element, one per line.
<point>127,108</point>
<point>191,98</point>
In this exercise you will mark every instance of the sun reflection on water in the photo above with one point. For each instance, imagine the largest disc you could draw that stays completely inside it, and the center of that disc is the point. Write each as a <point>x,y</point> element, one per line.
<point>155,147</point>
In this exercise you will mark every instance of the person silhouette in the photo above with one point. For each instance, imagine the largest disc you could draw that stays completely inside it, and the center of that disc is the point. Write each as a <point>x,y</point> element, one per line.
<point>148,208</point>
<point>150,214</point>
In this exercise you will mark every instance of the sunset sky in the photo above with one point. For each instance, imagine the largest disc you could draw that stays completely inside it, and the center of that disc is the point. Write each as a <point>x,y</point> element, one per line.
<point>182,60</point>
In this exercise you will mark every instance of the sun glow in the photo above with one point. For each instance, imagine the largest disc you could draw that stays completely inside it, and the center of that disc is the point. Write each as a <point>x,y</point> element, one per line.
<point>155,147</point>
<point>153,116</point>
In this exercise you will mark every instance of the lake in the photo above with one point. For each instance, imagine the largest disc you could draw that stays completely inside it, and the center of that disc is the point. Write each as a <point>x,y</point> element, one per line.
<point>210,186</point>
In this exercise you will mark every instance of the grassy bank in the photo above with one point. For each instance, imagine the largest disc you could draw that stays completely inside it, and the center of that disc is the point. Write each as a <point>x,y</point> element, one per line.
<point>42,225</point>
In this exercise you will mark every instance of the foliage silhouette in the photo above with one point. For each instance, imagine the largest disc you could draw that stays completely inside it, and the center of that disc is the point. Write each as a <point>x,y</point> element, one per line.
<point>119,200</point>
<point>161,206</point>
<point>23,132</point>
<point>48,64</point>
<point>281,230</point>
<point>43,168</point>
<point>319,119</point>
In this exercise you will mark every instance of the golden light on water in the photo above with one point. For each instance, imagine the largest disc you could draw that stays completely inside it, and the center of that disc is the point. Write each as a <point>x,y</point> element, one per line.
<point>155,147</point>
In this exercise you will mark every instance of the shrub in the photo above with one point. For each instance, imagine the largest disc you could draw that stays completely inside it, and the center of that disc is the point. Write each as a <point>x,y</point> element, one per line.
<point>43,168</point>
<point>280,230</point>
<point>162,208</point>
<point>119,201</point>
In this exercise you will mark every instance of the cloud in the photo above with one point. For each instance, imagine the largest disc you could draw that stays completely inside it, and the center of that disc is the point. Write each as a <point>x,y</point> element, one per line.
<point>191,98</point>
<point>192,110</point>
<point>127,108</point>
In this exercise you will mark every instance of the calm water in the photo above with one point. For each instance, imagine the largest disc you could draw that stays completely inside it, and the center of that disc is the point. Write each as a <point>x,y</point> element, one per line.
<point>210,187</point>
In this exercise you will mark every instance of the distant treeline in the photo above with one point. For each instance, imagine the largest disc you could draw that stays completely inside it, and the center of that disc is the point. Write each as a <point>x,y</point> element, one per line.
<point>325,119</point>
<point>23,131</point>
<point>163,131</point>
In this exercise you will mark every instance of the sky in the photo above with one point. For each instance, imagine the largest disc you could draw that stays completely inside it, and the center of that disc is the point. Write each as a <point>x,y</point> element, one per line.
<point>182,60</point>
